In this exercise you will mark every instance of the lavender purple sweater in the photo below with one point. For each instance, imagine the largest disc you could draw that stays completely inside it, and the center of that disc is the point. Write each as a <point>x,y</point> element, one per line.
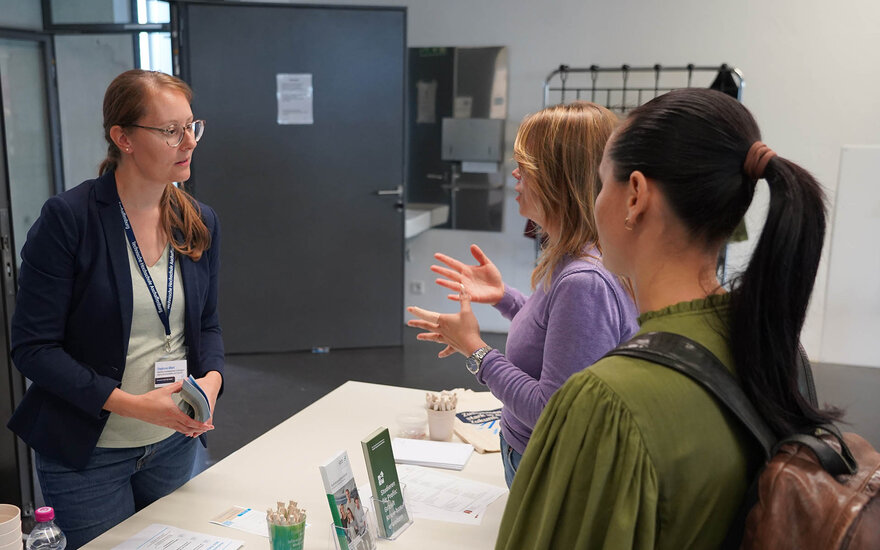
<point>553,334</point>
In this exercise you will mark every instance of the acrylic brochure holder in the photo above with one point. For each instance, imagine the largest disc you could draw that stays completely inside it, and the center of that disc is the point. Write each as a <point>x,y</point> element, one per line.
<point>363,541</point>
<point>384,504</point>
<point>368,539</point>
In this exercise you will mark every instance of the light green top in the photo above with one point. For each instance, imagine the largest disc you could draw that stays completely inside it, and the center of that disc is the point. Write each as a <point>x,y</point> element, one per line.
<point>631,454</point>
<point>146,345</point>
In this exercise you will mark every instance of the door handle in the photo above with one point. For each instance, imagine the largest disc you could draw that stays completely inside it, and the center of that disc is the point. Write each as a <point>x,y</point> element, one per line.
<point>396,191</point>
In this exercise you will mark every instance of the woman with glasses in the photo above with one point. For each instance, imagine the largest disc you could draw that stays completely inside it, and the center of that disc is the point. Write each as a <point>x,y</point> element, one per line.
<point>117,304</point>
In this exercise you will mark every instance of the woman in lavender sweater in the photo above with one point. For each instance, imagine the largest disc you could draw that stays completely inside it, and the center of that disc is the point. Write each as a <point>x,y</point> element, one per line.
<point>578,310</point>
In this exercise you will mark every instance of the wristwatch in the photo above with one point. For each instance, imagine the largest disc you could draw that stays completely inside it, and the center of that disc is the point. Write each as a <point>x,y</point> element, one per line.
<point>475,360</point>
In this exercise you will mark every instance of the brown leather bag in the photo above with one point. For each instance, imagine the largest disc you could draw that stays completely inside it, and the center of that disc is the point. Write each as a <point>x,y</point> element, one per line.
<point>817,491</point>
<point>802,506</point>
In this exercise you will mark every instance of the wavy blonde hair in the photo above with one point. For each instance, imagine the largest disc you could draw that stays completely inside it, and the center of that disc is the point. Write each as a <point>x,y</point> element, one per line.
<point>558,150</point>
<point>124,104</point>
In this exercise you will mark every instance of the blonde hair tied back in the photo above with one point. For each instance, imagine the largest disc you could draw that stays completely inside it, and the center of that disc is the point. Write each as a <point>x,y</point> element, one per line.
<point>559,150</point>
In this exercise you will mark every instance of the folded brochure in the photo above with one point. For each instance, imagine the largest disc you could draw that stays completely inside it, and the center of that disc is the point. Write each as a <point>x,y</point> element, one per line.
<point>194,402</point>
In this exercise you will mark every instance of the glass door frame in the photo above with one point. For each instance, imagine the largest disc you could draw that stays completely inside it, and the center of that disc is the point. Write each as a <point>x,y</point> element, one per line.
<point>47,44</point>
<point>8,263</point>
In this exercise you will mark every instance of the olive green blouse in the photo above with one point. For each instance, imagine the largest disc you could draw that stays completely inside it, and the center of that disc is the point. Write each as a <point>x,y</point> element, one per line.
<point>631,454</point>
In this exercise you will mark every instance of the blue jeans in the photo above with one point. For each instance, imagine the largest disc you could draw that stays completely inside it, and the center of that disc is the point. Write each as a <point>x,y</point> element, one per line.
<point>510,458</point>
<point>114,484</point>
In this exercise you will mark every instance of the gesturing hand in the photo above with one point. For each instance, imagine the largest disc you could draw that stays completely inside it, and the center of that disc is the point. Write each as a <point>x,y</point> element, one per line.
<point>483,280</point>
<point>459,331</point>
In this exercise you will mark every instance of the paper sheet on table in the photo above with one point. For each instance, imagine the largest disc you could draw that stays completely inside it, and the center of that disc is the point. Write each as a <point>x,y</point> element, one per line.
<point>165,537</point>
<point>424,511</point>
<point>244,519</point>
<point>443,497</point>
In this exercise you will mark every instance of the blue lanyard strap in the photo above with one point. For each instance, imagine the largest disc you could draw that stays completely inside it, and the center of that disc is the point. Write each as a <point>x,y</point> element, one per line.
<point>163,311</point>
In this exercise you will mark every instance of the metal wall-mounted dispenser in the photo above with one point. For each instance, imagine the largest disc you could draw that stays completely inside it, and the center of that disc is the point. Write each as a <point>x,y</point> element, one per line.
<point>472,139</point>
<point>472,146</point>
<point>457,113</point>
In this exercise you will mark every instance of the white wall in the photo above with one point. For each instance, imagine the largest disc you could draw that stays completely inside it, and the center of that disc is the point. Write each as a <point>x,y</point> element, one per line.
<point>852,313</point>
<point>810,67</point>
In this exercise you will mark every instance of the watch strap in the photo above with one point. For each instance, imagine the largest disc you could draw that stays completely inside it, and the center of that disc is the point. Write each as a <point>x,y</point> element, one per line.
<point>475,360</point>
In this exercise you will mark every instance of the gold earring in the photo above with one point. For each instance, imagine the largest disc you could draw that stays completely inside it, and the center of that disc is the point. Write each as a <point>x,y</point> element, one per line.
<point>626,224</point>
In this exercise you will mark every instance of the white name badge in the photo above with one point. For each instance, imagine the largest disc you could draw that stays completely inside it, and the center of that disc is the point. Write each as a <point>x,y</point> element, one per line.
<point>169,372</point>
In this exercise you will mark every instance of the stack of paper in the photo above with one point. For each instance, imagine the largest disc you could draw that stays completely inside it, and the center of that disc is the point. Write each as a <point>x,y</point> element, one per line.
<point>194,401</point>
<point>437,454</point>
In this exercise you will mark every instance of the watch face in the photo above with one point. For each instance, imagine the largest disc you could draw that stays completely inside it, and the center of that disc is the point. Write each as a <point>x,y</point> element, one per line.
<point>472,365</point>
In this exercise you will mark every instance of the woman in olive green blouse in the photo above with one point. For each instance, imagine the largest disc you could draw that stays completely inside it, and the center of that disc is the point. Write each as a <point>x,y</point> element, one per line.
<point>629,454</point>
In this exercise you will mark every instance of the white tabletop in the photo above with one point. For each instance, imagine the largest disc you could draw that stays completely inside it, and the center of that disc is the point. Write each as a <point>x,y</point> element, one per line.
<point>282,464</point>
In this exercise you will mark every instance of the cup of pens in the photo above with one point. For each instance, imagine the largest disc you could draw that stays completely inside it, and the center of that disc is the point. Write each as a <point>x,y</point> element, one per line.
<point>441,414</point>
<point>287,527</point>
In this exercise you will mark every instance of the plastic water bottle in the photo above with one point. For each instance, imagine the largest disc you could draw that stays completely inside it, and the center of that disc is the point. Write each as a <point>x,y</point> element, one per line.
<point>45,535</point>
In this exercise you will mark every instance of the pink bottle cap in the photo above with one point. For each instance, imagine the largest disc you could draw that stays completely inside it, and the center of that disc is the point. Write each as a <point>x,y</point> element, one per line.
<point>46,513</point>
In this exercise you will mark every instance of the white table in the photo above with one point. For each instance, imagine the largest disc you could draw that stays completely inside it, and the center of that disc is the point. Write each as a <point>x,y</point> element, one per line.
<point>282,464</point>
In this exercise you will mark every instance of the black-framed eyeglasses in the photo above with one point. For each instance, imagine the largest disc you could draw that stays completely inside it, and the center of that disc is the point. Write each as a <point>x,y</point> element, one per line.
<point>174,133</point>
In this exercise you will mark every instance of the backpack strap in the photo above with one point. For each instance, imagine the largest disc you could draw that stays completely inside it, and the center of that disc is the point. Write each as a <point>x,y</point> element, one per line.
<point>692,359</point>
<point>833,462</point>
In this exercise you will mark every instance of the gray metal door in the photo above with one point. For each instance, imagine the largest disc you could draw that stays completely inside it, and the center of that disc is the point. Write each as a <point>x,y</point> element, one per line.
<point>312,254</point>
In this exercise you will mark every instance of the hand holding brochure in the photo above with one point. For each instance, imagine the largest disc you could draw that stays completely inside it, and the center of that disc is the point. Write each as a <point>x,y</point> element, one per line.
<point>194,401</point>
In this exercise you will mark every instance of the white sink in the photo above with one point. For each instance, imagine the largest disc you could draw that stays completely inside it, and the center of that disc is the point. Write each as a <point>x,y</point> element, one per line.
<point>416,222</point>
<point>422,216</point>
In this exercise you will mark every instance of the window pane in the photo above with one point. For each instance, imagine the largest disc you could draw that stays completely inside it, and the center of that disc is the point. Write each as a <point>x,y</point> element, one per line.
<point>157,11</point>
<point>86,66</point>
<point>21,14</point>
<point>85,12</point>
<point>65,12</point>
<point>27,133</point>
<point>155,50</point>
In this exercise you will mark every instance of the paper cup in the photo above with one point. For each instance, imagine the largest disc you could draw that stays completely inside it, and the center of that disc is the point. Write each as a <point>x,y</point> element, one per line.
<point>14,545</point>
<point>440,424</point>
<point>11,537</point>
<point>10,518</point>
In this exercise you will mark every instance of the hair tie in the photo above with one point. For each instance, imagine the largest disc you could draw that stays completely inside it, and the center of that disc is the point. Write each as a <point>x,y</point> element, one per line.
<point>756,160</point>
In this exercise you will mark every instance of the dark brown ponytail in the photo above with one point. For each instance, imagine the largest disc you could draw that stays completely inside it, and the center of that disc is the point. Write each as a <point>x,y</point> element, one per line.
<point>693,143</point>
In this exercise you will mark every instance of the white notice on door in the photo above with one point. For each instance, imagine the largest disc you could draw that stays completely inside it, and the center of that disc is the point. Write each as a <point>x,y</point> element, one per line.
<point>295,96</point>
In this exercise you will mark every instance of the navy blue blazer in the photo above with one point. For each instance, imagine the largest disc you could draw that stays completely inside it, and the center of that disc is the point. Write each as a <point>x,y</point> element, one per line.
<point>72,319</point>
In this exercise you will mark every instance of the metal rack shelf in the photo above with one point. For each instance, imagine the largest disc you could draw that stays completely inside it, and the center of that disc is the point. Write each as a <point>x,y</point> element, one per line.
<point>626,87</point>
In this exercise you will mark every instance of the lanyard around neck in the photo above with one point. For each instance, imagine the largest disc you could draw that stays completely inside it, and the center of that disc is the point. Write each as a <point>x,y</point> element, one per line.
<point>163,311</point>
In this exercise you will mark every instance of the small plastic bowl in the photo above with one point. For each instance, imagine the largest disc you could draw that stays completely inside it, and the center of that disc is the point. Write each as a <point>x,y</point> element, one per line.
<point>411,424</point>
